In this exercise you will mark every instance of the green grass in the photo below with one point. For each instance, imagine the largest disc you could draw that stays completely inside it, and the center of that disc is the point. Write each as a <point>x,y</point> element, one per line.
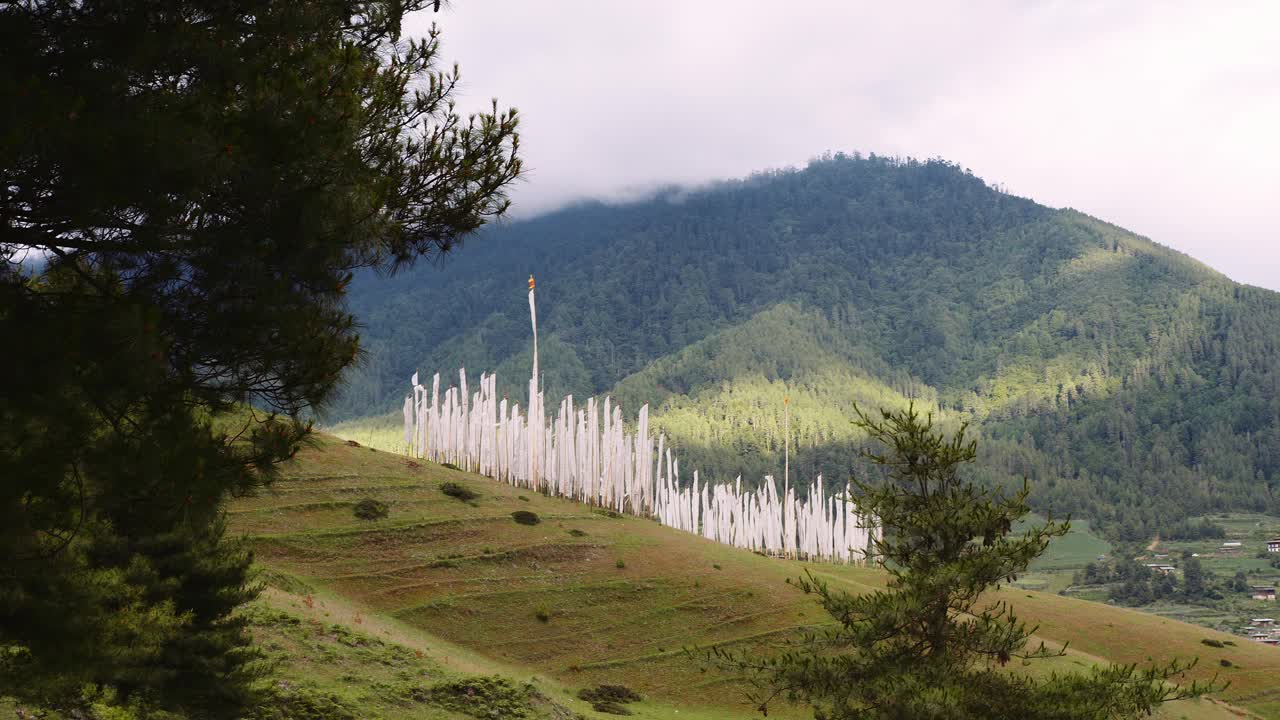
<point>1072,551</point>
<point>384,432</point>
<point>359,674</point>
<point>1052,572</point>
<point>466,585</point>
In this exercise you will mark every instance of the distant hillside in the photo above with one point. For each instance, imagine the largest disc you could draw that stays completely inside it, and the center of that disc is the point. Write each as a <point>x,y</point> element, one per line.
<point>1130,383</point>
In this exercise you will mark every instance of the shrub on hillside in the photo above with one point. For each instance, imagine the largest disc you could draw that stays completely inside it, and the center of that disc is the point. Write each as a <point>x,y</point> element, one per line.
<point>609,698</point>
<point>301,703</point>
<point>454,490</point>
<point>484,697</point>
<point>525,517</point>
<point>578,533</point>
<point>370,509</point>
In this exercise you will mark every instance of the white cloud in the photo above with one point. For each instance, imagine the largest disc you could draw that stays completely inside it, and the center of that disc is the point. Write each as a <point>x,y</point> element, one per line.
<point>1161,117</point>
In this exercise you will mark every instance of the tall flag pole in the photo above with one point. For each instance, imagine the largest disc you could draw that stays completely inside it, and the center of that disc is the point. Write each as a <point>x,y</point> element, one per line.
<point>533,316</point>
<point>533,392</point>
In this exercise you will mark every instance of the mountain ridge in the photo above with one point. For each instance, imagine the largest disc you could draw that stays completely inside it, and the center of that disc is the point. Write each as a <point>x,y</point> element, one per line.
<point>1129,381</point>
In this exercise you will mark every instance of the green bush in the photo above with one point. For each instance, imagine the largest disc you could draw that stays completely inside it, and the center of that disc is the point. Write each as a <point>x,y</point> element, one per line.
<point>543,614</point>
<point>1212,643</point>
<point>525,517</point>
<point>370,509</point>
<point>620,564</point>
<point>578,533</point>
<point>451,466</point>
<point>301,703</point>
<point>484,697</point>
<point>454,490</point>
<point>609,698</point>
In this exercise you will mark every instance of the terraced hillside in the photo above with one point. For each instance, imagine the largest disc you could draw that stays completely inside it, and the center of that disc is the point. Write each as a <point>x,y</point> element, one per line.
<point>583,598</point>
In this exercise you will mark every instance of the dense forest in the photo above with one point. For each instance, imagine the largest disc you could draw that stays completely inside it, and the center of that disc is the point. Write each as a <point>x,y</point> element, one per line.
<point>1130,383</point>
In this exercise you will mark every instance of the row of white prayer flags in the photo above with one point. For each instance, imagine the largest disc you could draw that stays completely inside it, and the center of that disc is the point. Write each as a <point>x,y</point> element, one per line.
<point>585,453</point>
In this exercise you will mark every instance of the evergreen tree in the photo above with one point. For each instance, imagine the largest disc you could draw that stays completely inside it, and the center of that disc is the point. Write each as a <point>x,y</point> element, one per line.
<point>934,644</point>
<point>1240,582</point>
<point>187,189</point>
<point>1192,578</point>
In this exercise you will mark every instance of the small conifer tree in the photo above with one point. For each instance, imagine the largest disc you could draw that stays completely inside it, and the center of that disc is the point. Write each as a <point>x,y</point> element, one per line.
<point>937,642</point>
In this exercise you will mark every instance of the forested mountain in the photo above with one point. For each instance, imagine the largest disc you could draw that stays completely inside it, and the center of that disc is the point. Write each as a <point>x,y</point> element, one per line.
<point>1132,384</point>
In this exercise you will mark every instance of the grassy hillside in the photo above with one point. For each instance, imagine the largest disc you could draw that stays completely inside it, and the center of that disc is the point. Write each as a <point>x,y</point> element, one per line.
<point>583,598</point>
<point>1132,384</point>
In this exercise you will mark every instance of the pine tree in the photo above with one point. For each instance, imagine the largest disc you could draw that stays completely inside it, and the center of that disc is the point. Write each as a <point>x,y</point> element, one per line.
<point>934,643</point>
<point>1192,578</point>
<point>188,189</point>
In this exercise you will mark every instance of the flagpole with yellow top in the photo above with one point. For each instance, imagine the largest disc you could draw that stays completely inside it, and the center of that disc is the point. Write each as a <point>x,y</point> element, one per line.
<point>535,421</point>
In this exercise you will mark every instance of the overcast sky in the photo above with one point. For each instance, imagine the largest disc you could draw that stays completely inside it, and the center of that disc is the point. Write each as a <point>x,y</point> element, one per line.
<point>1161,117</point>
